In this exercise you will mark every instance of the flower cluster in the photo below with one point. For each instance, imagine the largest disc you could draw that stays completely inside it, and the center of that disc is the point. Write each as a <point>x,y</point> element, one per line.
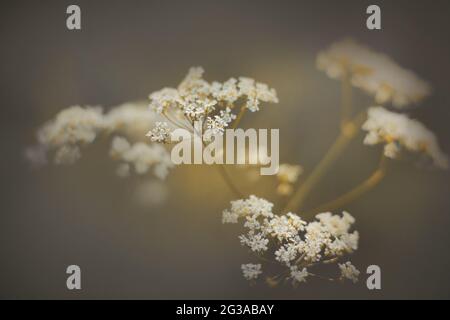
<point>398,131</point>
<point>77,126</point>
<point>373,72</point>
<point>296,244</point>
<point>287,175</point>
<point>142,156</point>
<point>71,128</point>
<point>212,104</point>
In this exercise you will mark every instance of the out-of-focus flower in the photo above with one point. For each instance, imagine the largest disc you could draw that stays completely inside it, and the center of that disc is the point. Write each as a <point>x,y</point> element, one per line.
<point>76,126</point>
<point>287,175</point>
<point>130,119</point>
<point>348,271</point>
<point>142,156</point>
<point>374,72</point>
<point>397,131</point>
<point>251,271</point>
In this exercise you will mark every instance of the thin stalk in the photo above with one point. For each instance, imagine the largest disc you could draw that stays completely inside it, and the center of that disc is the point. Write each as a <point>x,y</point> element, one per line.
<point>348,132</point>
<point>239,117</point>
<point>358,191</point>
<point>346,99</point>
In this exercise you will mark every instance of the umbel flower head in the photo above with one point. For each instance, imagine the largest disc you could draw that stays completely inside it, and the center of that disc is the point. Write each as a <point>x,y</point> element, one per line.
<point>397,131</point>
<point>212,104</point>
<point>293,243</point>
<point>374,72</point>
<point>77,126</point>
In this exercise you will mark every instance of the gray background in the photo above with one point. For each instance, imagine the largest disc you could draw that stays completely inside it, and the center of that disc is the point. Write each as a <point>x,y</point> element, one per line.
<point>83,214</point>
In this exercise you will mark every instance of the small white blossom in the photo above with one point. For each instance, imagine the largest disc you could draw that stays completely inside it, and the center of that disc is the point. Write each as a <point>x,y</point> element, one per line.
<point>348,271</point>
<point>256,92</point>
<point>297,275</point>
<point>160,133</point>
<point>229,217</point>
<point>251,271</point>
<point>164,99</point>
<point>255,241</point>
<point>286,253</point>
<point>142,156</point>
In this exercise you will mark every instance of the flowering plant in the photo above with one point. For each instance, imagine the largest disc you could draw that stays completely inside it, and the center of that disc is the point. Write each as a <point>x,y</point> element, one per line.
<point>285,240</point>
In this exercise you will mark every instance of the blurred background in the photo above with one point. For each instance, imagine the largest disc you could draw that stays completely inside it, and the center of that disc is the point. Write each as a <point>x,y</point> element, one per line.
<point>84,215</point>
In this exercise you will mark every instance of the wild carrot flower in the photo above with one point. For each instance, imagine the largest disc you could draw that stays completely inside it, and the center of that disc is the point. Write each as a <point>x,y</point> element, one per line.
<point>397,131</point>
<point>290,241</point>
<point>195,99</point>
<point>142,156</point>
<point>76,126</point>
<point>374,72</point>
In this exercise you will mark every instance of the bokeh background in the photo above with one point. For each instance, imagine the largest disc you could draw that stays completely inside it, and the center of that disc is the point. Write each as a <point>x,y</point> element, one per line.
<point>83,214</point>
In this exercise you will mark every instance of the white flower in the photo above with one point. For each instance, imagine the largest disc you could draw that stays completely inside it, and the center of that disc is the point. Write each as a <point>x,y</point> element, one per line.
<point>373,72</point>
<point>119,146</point>
<point>286,253</point>
<point>211,103</point>
<point>251,271</point>
<point>227,91</point>
<point>335,224</point>
<point>294,242</point>
<point>297,275</point>
<point>229,217</point>
<point>282,228</point>
<point>130,119</point>
<point>164,99</point>
<point>256,92</point>
<point>160,133</point>
<point>255,241</point>
<point>253,206</point>
<point>74,125</point>
<point>348,271</point>
<point>142,156</point>
<point>397,130</point>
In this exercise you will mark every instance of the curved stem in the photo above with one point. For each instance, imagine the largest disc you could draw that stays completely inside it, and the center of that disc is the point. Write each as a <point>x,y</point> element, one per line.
<point>239,117</point>
<point>229,181</point>
<point>356,192</point>
<point>348,132</point>
<point>322,277</point>
<point>346,99</point>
